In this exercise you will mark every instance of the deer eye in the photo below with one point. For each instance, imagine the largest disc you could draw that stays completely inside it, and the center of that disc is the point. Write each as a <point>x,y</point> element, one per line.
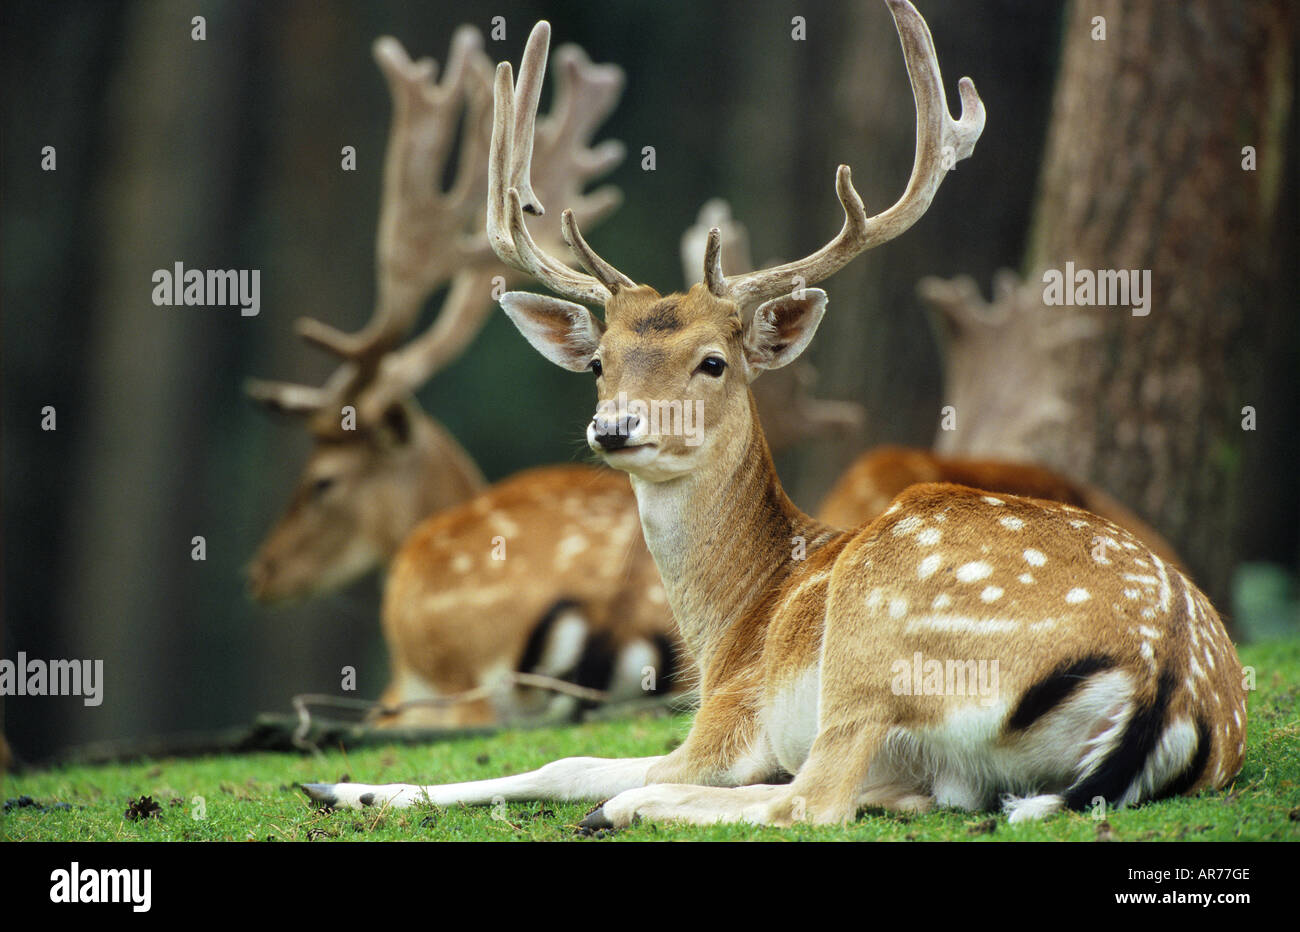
<point>596,367</point>
<point>321,486</point>
<point>712,366</point>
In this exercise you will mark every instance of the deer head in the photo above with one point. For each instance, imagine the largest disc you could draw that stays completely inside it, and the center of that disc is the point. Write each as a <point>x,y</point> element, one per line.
<point>660,362</point>
<point>379,464</point>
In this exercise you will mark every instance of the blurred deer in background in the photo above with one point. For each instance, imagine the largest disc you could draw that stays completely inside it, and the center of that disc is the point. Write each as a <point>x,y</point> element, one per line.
<point>364,489</point>
<point>1112,677</point>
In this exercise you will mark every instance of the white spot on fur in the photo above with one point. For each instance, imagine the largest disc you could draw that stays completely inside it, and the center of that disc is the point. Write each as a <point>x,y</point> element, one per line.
<point>907,525</point>
<point>973,572</point>
<point>1131,593</point>
<point>929,537</point>
<point>1011,523</point>
<point>942,600</point>
<point>897,607</point>
<point>993,501</point>
<point>1027,578</point>
<point>1035,557</point>
<point>1045,625</point>
<point>569,547</point>
<point>991,594</point>
<point>1075,596</point>
<point>929,566</point>
<point>964,624</point>
<point>1149,632</point>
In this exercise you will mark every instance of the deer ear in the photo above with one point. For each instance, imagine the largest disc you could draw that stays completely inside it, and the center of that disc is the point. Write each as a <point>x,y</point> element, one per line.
<point>781,328</point>
<point>565,333</point>
<point>395,425</point>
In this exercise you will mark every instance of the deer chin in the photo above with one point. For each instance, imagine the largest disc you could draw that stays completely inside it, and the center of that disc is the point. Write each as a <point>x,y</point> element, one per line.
<point>649,462</point>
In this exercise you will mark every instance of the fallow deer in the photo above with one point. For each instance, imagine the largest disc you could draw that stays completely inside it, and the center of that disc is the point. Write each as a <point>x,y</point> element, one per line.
<point>1116,678</point>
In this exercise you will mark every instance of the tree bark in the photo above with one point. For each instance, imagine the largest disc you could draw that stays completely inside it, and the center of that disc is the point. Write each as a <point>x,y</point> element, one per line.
<point>1144,171</point>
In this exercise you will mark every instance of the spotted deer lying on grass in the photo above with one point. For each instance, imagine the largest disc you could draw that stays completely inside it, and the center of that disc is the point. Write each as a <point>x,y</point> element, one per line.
<point>1116,681</point>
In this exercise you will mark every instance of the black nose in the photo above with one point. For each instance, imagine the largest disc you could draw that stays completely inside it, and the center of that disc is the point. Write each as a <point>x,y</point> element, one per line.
<point>612,433</point>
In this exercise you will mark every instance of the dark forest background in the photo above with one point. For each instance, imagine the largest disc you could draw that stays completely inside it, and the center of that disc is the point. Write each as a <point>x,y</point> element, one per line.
<point>225,154</point>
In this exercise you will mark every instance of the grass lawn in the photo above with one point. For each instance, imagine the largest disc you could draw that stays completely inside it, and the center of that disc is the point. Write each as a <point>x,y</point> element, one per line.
<point>253,796</point>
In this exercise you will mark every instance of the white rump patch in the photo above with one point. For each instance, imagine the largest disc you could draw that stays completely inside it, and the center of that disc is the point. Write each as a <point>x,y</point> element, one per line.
<point>625,683</point>
<point>1166,761</point>
<point>564,644</point>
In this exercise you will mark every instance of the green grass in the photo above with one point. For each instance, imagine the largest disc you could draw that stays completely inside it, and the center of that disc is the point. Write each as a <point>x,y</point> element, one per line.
<point>253,796</point>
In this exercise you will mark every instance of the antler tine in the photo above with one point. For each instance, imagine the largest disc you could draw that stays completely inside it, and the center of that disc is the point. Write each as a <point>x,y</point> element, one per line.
<point>463,312</point>
<point>285,397</point>
<point>510,190</point>
<point>940,143</point>
<point>609,276</point>
<point>726,242</point>
<point>421,239</point>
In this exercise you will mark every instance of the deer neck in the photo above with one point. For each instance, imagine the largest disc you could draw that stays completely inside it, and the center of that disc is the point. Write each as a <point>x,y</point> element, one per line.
<point>722,537</point>
<point>439,474</point>
<point>452,475</point>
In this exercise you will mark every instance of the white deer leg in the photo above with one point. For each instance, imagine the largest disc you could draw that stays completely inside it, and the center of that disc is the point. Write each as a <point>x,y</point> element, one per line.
<point>573,779</point>
<point>760,804</point>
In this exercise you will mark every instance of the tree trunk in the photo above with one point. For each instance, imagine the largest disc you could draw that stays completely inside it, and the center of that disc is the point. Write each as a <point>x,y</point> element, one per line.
<point>1144,172</point>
